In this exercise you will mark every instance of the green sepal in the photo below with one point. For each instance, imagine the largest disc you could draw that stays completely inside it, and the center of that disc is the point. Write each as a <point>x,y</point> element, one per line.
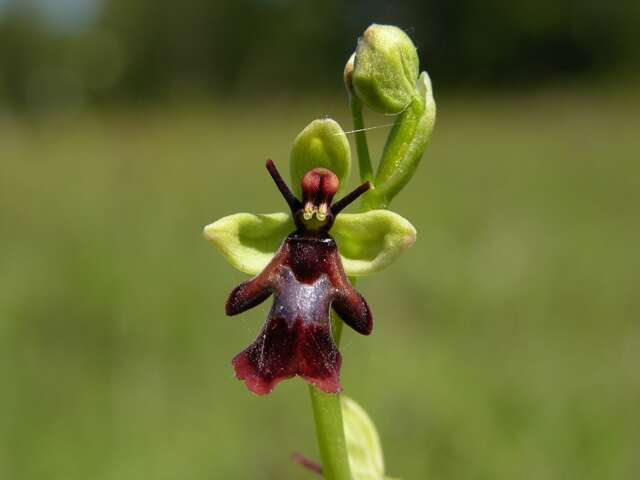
<point>386,69</point>
<point>322,143</point>
<point>363,442</point>
<point>249,241</point>
<point>370,241</point>
<point>405,146</point>
<point>367,242</point>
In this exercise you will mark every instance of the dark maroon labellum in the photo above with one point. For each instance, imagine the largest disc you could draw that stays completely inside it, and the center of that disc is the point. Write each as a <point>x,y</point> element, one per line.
<point>307,279</point>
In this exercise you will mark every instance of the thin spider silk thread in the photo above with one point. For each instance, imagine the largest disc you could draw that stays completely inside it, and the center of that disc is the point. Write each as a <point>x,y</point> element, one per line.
<point>364,129</point>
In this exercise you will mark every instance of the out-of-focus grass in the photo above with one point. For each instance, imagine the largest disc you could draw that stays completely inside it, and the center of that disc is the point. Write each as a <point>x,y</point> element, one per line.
<point>506,344</point>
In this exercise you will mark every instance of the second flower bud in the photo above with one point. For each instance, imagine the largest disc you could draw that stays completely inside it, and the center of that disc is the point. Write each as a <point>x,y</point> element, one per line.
<point>385,69</point>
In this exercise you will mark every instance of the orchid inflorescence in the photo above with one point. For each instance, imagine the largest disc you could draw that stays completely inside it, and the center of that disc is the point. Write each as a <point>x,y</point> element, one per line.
<point>309,257</point>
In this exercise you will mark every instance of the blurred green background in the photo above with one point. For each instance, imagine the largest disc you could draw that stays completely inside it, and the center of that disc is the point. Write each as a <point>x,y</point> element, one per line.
<point>507,340</point>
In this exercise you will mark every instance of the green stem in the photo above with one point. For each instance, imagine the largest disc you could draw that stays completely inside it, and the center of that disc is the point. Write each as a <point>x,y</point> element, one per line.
<point>329,427</point>
<point>364,160</point>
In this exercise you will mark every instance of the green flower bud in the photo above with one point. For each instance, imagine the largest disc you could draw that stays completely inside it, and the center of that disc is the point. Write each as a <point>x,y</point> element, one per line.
<point>386,69</point>
<point>404,147</point>
<point>322,143</point>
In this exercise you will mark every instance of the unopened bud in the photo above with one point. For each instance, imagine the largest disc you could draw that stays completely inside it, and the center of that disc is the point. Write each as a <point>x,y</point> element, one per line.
<point>386,69</point>
<point>405,146</point>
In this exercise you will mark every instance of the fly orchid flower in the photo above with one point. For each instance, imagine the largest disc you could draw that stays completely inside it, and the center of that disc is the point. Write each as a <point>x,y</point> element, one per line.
<point>306,278</point>
<point>304,260</point>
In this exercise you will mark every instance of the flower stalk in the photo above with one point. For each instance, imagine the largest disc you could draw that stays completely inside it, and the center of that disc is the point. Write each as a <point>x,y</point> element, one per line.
<point>362,148</point>
<point>327,414</point>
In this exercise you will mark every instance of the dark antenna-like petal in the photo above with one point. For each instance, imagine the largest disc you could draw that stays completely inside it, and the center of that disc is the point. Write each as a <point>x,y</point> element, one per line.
<point>344,202</point>
<point>290,198</point>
